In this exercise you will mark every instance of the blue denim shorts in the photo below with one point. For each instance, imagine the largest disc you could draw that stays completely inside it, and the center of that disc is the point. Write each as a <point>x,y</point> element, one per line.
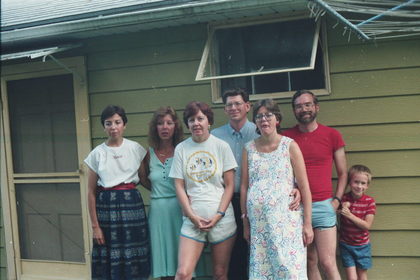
<point>359,256</point>
<point>323,214</point>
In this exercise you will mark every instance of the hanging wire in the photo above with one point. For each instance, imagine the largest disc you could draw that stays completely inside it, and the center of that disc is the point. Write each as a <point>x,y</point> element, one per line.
<point>377,18</point>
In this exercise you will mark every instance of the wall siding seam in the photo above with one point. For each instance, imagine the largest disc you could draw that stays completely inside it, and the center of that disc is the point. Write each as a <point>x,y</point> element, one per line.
<point>90,70</point>
<point>149,88</point>
<point>375,69</point>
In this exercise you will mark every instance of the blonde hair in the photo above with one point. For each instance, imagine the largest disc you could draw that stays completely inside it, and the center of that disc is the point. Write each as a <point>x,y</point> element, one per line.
<point>358,168</point>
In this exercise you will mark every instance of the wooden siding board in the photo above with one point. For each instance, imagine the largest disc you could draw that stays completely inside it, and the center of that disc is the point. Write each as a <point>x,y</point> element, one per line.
<point>388,243</point>
<point>388,163</point>
<point>395,190</point>
<point>401,136</point>
<point>147,77</point>
<point>158,54</point>
<point>147,38</point>
<point>148,100</point>
<point>397,217</point>
<point>391,268</point>
<point>389,82</point>
<point>370,56</point>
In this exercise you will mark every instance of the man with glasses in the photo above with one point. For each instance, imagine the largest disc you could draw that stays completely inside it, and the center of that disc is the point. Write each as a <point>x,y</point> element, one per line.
<point>237,132</point>
<point>321,146</point>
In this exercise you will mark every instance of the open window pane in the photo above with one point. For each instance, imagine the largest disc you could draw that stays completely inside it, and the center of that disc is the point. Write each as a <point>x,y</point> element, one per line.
<point>260,49</point>
<point>280,82</point>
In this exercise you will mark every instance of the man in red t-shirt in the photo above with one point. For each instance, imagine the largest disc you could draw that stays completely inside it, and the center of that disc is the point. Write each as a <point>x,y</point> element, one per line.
<point>321,147</point>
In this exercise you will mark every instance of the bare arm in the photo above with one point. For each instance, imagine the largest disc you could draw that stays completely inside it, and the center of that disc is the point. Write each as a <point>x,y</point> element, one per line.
<point>184,201</point>
<point>98,236</point>
<point>144,173</point>
<point>341,167</point>
<point>299,170</point>
<point>365,224</point>
<point>229,180</point>
<point>244,192</point>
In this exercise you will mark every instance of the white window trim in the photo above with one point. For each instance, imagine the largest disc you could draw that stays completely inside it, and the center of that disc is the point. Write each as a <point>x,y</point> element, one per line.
<point>215,81</point>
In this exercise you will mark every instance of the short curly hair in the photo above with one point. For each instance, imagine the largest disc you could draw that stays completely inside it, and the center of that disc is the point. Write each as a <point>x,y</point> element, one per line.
<point>111,110</point>
<point>272,107</point>
<point>194,107</point>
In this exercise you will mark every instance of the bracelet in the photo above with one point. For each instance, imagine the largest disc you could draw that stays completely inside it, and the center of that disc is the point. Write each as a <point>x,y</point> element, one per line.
<point>243,216</point>
<point>336,197</point>
<point>221,213</point>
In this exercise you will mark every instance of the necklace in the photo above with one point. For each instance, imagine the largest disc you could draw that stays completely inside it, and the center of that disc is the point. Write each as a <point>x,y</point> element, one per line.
<point>165,154</point>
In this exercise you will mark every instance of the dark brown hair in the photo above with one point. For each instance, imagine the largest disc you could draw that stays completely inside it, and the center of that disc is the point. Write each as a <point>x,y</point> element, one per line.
<point>272,107</point>
<point>303,91</point>
<point>194,107</point>
<point>111,110</point>
<point>235,92</point>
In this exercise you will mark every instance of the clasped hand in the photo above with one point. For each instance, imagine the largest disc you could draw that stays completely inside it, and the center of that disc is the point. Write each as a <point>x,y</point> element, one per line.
<point>205,224</point>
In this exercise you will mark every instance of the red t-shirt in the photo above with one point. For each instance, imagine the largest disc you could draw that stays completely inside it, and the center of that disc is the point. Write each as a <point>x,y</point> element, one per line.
<point>349,232</point>
<point>318,148</point>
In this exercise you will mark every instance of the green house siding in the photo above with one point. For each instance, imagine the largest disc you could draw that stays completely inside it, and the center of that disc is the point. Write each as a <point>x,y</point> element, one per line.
<point>374,102</point>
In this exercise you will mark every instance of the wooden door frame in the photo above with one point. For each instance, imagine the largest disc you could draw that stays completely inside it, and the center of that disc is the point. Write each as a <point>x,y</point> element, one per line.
<point>37,70</point>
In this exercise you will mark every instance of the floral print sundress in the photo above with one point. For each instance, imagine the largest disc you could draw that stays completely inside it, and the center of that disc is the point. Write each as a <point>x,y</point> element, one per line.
<point>276,244</point>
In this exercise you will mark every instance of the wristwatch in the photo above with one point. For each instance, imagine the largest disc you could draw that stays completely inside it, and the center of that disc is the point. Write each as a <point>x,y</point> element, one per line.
<point>221,213</point>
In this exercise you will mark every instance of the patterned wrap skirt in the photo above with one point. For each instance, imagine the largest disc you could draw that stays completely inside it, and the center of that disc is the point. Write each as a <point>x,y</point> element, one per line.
<point>126,252</point>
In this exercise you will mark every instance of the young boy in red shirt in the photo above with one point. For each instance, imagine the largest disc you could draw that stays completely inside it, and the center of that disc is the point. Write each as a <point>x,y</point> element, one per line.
<point>357,214</point>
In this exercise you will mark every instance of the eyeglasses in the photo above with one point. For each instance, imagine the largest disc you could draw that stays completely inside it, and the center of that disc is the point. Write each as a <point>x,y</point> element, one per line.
<point>307,105</point>
<point>268,116</point>
<point>236,104</point>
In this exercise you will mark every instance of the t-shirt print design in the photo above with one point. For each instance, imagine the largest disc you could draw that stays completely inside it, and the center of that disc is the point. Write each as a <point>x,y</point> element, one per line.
<point>201,166</point>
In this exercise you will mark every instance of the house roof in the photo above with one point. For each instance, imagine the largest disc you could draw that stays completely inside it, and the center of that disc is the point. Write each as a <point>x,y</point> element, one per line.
<point>47,21</point>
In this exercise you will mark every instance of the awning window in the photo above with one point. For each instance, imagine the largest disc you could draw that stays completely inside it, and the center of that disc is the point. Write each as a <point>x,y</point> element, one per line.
<point>260,49</point>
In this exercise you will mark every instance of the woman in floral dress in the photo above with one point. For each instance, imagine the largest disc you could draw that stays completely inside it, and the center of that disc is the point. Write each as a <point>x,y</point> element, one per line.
<point>277,235</point>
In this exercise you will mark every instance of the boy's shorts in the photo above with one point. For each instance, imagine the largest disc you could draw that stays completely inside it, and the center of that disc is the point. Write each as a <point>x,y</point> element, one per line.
<point>323,214</point>
<point>359,256</point>
<point>223,230</point>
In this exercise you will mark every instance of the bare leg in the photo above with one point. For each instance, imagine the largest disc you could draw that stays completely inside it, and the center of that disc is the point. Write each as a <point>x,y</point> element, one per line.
<point>361,274</point>
<point>221,256</point>
<point>351,273</point>
<point>188,255</point>
<point>326,243</point>
<point>313,271</point>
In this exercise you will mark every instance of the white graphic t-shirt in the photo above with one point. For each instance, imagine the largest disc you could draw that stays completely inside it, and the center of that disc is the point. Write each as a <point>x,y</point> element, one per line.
<point>201,166</point>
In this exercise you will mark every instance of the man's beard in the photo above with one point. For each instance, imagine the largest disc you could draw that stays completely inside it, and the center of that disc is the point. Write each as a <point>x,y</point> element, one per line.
<point>300,117</point>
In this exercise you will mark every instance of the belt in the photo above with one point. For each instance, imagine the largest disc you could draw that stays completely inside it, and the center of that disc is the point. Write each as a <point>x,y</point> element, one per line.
<point>128,186</point>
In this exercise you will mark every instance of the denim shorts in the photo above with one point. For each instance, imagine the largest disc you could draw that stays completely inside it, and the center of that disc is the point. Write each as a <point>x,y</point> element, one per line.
<point>359,256</point>
<point>323,214</point>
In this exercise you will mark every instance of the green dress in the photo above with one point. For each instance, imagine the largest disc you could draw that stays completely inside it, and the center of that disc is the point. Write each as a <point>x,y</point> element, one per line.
<point>165,219</point>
